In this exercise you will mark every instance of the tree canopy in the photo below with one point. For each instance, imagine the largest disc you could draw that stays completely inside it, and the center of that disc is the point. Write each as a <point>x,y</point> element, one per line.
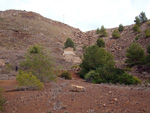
<point>137,21</point>
<point>95,57</point>
<point>116,34</point>
<point>121,28</point>
<point>69,43</point>
<point>143,17</point>
<point>135,55</point>
<point>40,63</point>
<point>100,42</point>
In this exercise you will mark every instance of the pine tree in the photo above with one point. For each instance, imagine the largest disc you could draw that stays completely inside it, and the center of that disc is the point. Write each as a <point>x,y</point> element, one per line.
<point>116,34</point>
<point>136,28</point>
<point>143,17</point>
<point>137,21</point>
<point>121,28</point>
<point>69,43</point>
<point>135,55</point>
<point>40,63</point>
<point>103,32</point>
<point>100,43</point>
<point>98,31</point>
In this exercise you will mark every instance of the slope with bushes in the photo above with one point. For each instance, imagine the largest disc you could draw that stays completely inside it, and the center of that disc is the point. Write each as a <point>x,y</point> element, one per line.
<point>20,29</point>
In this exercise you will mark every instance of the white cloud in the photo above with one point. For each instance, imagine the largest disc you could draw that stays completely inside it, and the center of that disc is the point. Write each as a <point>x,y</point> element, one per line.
<point>84,14</point>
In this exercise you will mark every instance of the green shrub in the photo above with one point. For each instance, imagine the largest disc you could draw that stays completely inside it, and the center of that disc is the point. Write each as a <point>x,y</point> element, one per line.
<point>69,43</point>
<point>121,28</point>
<point>103,32</point>
<point>36,49</point>
<point>28,80</point>
<point>116,34</point>
<point>98,67</point>
<point>136,28</point>
<point>100,42</point>
<point>90,76</point>
<point>112,75</point>
<point>95,57</point>
<point>148,49</point>
<point>83,72</point>
<point>39,63</point>
<point>2,100</point>
<point>67,75</point>
<point>98,31</point>
<point>135,55</point>
<point>128,79</point>
<point>147,33</point>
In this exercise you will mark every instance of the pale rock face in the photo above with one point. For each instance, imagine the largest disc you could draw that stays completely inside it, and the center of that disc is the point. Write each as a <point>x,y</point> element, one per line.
<point>2,63</point>
<point>68,53</point>
<point>77,60</point>
<point>70,56</point>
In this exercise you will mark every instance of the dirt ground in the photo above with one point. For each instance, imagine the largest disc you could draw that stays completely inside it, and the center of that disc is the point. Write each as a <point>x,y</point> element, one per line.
<point>57,97</point>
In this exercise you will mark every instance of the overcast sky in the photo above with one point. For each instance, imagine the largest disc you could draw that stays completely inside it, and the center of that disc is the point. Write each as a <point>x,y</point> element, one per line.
<point>84,14</point>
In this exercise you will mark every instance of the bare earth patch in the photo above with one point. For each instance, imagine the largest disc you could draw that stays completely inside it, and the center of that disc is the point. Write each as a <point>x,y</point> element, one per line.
<point>59,98</point>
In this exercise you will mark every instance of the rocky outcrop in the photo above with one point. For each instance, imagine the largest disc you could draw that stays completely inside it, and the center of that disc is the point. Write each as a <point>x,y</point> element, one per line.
<point>2,63</point>
<point>70,56</point>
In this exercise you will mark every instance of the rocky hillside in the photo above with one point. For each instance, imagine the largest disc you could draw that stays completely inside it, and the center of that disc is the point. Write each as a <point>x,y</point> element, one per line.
<point>119,46</point>
<point>20,29</point>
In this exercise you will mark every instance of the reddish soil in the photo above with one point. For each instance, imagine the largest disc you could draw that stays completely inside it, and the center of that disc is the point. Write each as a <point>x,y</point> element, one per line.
<point>58,98</point>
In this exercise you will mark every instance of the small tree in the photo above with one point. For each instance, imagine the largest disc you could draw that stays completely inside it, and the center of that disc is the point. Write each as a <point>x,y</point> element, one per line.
<point>136,28</point>
<point>95,57</point>
<point>103,32</point>
<point>69,43</point>
<point>66,75</point>
<point>39,63</point>
<point>121,28</point>
<point>98,31</point>
<point>28,80</point>
<point>135,55</point>
<point>100,42</point>
<point>147,33</point>
<point>137,21</point>
<point>143,17</point>
<point>116,34</point>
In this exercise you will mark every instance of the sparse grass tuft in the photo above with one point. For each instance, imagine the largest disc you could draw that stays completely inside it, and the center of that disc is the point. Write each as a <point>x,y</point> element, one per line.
<point>66,75</point>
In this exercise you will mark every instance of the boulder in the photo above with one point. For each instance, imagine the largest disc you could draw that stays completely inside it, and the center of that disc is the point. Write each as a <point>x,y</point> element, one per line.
<point>77,88</point>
